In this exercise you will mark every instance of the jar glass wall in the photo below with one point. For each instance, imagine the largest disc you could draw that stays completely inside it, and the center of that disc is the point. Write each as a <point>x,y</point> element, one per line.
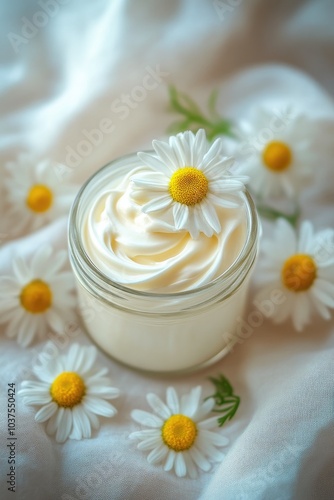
<point>161,332</point>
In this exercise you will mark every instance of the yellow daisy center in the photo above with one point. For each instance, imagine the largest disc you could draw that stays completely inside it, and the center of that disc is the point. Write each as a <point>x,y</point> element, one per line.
<point>188,186</point>
<point>179,432</point>
<point>68,389</point>
<point>36,297</point>
<point>277,156</point>
<point>299,272</point>
<point>39,198</point>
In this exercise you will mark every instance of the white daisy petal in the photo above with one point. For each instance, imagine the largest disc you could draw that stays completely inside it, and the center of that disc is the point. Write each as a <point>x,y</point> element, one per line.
<point>7,308</point>
<point>150,443</point>
<point>24,182</point>
<point>155,163</point>
<point>65,425</point>
<point>199,459</point>
<point>214,438</point>
<point>192,199</point>
<point>223,202</point>
<point>21,269</point>
<point>37,399</point>
<point>181,215</point>
<point>55,321</point>
<point>26,332</point>
<point>191,469</point>
<point>199,147</point>
<point>94,421</point>
<point>81,420</point>
<point>158,406</point>
<point>281,158</point>
<point>179,440</point>
<point>157,204</point>
<point>217,168</point>
<point>224,186</point>
<point>9,287</point>
<point>46,412</point>
<point>33,385</point>
<point>70,409</point>
<point>185,141</point>
<point>105,392</point>
<point>211,216</point>
<point>25,319</point>
<point>143,434</point>
<point>213,153</point>
<point>172,400</point>
<point>84,359</point>
<point>157,455</point>
<point>209,450</point>
<point>324,292</point>
<point>204,409</point>
<point>179,151</point>
<point>18,318</point>
<point>156,184</point>
<point>305,237</point>
<point>166,153</point>
<point>320,307</point>
<point>145,418</point>
<point>180,465</point>
<point>169,464</point>
<point>42,256</point>
<point>99,406</point>
<point>190,405</point>
<point>292,268</point>
<point>53,423</point>
<point>208,423</point>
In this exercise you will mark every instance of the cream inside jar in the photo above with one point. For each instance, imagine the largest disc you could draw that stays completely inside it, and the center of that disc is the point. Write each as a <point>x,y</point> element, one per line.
<point>152,296</point>
<point>140,251</point>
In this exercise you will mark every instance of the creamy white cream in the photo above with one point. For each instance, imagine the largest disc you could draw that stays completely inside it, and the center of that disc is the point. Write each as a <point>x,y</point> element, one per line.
<point>181,298</point>
<point>145,253</point>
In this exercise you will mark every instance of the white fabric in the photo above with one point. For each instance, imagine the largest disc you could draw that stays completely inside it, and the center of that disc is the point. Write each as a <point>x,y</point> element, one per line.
<point>62,81</point>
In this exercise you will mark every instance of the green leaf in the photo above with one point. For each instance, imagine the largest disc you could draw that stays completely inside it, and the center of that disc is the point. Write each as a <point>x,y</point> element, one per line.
<point>225,401</point>
<point>212,102</point>
<point>192,118</point>
<point>273,214</point>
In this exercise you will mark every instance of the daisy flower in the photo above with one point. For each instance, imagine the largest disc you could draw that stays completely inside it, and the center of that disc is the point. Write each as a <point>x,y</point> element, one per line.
<point>191,179</point>
<point>71,393</point>
<point>276,153</point>
<point>179,434</point>
<point>34,193</point>
<point>37,296</point>
<point>302,268</point>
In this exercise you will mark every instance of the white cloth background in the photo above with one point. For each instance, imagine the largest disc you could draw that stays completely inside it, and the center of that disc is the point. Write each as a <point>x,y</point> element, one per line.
<point>64,80</point>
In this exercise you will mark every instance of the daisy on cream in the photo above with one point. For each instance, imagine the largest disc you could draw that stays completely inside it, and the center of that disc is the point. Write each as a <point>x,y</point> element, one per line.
<point>302,267</point>
<point>179,433</point>
<point>191,179</point>
<point>71,393</point>
<point>37,296</point>
<point>34,193</point>
<point>276,153</point>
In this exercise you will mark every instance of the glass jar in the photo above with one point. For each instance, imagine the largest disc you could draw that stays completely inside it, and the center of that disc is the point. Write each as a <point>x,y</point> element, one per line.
<point>169,332</point>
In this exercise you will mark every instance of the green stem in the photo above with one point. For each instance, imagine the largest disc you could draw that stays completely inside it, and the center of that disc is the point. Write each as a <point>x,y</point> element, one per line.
<point>273,214</point>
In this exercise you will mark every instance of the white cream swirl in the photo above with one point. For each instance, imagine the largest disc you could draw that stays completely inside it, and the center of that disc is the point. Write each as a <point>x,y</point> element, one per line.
<point>144,253</point>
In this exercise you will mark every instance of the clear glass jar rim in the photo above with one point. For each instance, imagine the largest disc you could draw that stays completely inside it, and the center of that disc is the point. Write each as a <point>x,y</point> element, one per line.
<point>75,242</point>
